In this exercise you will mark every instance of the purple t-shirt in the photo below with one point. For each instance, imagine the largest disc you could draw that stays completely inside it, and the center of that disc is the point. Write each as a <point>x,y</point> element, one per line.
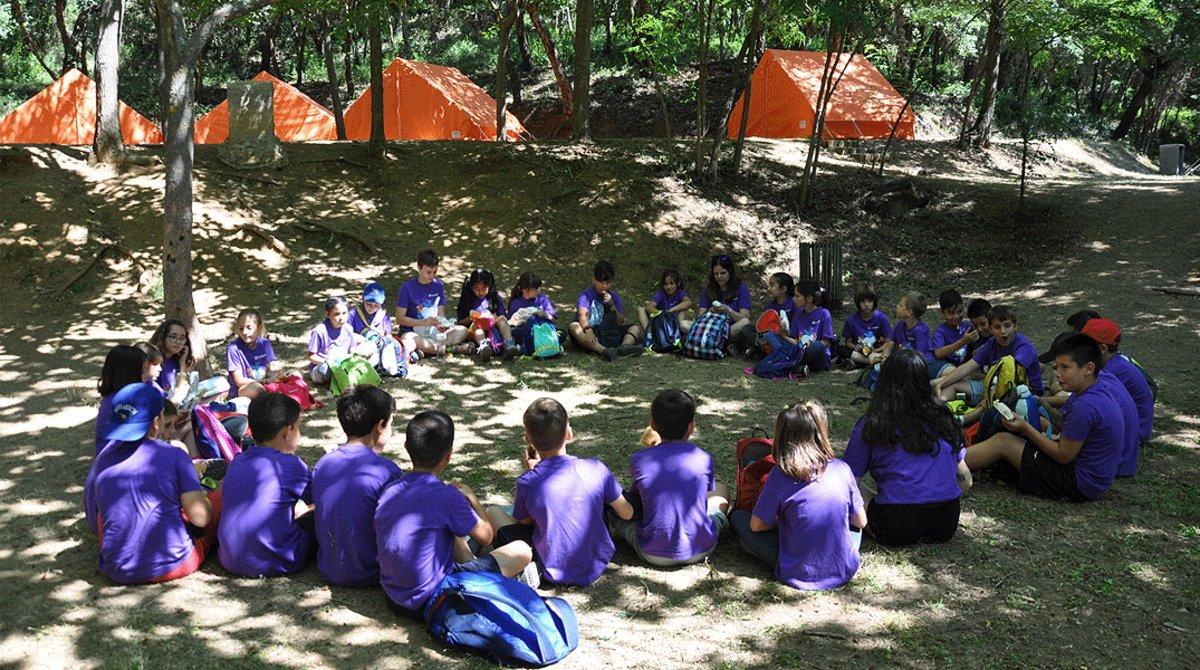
<point>565,496</point>
<point>1139,389</point>
<point>251,361</point>
<point>258,535</point>
<point>1131,444</point>
<point>346,484</point>
<point>332,343</point>
<point>1020,349</point>
<point>166,377</point>
<point>103,419</point>
<point>380,321</point>
<point>1091,417</point>
<point>787,306</point>
<point>742,301</point>
<point>416,522</point>
<point>918,339</point>
<point>902,477</point>
<point>673,480</point>
<point>420,301</point>
<point>856,328</point>
<point>811,326</point>
<point>484,304</point>
<point>131,500</point>
<point>945,336</point>
<point>540,302</point>
<point>589,299</point>
<point>813,517</point>
<point>665,302</point>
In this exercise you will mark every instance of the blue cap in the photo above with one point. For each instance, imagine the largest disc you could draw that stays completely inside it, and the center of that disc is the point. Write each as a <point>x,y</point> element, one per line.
<point>134,408</point>
<point>374,293</point>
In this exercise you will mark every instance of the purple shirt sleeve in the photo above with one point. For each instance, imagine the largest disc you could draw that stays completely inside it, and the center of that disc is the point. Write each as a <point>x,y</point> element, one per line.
<point>520,508</point>
<point>984,353</point>
<point>767,507</point>
<point>858,453</point>
<point>584,301</point>
<point>616,297</point>
<point>1080,418</point>
<point>743,298</point>
<point>856,501</point>
<point>825,330</point>
<point>612,488</point>
<point>705,301</point>
<point>548,307</point>
<point>317,343</point>
<point>185,473</point>
<point>658,298</point>
<point>461,519</point>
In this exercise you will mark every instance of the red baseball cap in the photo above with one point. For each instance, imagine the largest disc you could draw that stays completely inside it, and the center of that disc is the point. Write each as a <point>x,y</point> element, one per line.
<point>1103,331</point>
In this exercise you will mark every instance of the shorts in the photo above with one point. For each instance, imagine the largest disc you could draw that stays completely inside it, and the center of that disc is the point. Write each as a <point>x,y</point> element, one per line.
<point>1042,476</point>
<point>900,525</point>
<point>612,337</point>
<point>936,367</point>
<point>976,392</point>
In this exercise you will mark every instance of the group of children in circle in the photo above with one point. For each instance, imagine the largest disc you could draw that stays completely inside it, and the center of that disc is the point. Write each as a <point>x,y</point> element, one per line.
<point>370,524</point>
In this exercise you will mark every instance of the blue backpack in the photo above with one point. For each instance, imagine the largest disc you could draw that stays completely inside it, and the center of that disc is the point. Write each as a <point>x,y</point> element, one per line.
<point>502,619</point>
<point>664,334</point>
<point>782,360</point>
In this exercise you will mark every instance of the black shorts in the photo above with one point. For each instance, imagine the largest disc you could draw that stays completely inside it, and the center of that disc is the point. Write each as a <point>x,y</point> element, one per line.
<point>612,337</point>
<point>902,525</point>
<point>1042,476</point>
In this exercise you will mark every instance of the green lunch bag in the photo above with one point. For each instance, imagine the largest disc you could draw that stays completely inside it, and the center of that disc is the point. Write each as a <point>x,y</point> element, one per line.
<point>352,371</point>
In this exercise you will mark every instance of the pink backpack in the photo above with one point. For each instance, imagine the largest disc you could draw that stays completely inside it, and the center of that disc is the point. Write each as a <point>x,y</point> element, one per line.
<point>295,388</point>
<point>212,440</point>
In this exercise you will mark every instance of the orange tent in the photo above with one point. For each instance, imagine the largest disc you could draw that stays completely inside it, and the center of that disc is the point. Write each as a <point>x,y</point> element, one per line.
<point>65,113</point>
<point>783,94</point>
<point>429,102</point>
<point>298,118</point>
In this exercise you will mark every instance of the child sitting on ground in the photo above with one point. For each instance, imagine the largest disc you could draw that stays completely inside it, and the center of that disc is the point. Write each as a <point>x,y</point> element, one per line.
<point>332,341</point>
<point>910,332</point>
<point>249,358</point>
<point>670,297</point>
<point>125,364</point>
<point>953,336</point>
<point>1128,388</point>
<point>1081,464</point>
<point>421,311</point>
<point>780,288</point>
<point>527,307</point>
<point>152,368</point>
<point>599,325</point>
<point>806,523</point>
<point>865,331</point>
<point>1005,341</point>
<point>812,327</point>
<point>977,314</point>
<point>346,486</point>
<point>683,506</point>
<point>171,338</point>
<point>142,496</point>
<point>372,322</point>
<point>266,530</point>
<point>421,524</point>
<point>560,502</point>
<point>481,311</point>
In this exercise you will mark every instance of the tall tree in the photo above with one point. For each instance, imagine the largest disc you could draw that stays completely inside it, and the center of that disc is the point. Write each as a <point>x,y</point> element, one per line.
<point>506,15</point>
<point>180,51</point>
<point>108,145</point>
<point>375,40</point>
<point>331,73</point>
<point>580,129</point>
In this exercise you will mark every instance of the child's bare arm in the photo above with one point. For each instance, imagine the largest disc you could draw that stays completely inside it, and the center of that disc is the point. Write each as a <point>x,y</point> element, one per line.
<point>758,525</point>
<point>196,507</point>
<point>956,375</point>
<point>622,507</point>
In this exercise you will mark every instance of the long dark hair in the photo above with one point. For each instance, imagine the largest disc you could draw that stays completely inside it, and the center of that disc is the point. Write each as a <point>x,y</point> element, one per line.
<point>731,287</point>
<point>526,280</point>
<point>122,366</point>
<point>159,339</point>
<point>466,299</point>
<point>904,409</point>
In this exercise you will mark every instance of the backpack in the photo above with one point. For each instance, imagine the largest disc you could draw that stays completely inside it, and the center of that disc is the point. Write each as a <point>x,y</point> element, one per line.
<point>212,440</point>
<point>1149,380</point>
<point>1026,406</point>
<point>868,377</point>
<point>755,460</point>
<point>501,619</point>
<point>782,360</point>
<point>351,371</point>
<point>1002,377</point>
<point>545,340</point>
<point>664,334</point>
<point>708,337</point>
<point>295,388</point>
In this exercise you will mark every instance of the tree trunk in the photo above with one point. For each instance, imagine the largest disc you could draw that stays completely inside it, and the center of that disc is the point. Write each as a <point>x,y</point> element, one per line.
<point>507,19</point>
<point>608,26</point>
<point>19,16</point>
<point>266,48</point>
<point>348,65</point>
<point>706,9</point>
<point>560,76</point>
<point>583,71</point>
<point>108,145</point>
<point>375,39</point>
<point>523,42</point>
<point>70,55</point>
<point>1150,73</point>
<point>746,57</point>
<point>741,138</point>
<point>979,135</point>
<point>331,73</point>
<point>405,32</point>
<point>300,44</point>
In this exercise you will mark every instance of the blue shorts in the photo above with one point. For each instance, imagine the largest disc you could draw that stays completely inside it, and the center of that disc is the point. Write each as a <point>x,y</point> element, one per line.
<point>976,391</point>
<point>935,367</point>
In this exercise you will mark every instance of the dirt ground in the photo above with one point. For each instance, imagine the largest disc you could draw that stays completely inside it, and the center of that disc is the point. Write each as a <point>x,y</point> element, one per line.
<point>1024,583</point>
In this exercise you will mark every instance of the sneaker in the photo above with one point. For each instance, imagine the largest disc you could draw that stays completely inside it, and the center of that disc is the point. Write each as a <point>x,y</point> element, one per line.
<point>529,576</point>
<point>631,350</point>
<point>484,353</point>
<point>512,352</point>
<point>610,354</point>
<point>466,349</point>
<point>414,357</point>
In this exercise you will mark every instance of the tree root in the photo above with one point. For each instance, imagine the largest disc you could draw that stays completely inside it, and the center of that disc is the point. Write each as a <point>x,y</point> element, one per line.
<point>1177,290</point>
<point>317,226</point>
<point>87,267</point>
<point>270,240</point>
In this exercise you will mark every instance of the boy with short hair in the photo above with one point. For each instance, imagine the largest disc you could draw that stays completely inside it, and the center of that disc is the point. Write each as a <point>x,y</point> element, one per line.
<point>1081,464</point>
<point>683,505</point>
<point>1079,319</point>
<point>142,495</point>
<point>421,523</point>
<point>910,332</point>
<point>599,324</point>
<point>421,303</point>
<point>1107,334</point>
<point>262,532</point>
<point>977,314</point>
<point>1006,341</point>
<point>560,502</point>
<point>347,483</point>
<point>952,337</point>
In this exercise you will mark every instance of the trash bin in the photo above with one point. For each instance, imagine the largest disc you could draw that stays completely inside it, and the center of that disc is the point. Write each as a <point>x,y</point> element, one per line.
<point>1171,159</point>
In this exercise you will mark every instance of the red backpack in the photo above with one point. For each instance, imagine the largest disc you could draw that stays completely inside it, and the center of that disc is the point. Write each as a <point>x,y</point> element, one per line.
<point>754,462</point>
